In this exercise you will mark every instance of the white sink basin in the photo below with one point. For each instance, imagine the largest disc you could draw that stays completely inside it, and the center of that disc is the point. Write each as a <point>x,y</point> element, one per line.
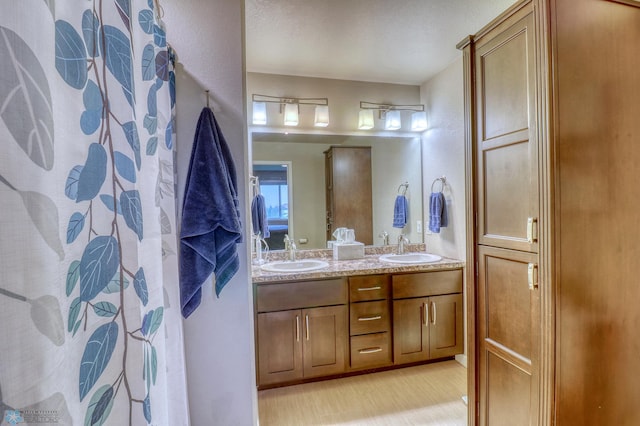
<point>304,265</point>
<point>409,258</point>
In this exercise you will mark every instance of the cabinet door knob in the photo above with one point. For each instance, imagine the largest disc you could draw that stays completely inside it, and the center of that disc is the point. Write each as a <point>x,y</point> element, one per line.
<point>297,328</point>
<point>307,321</point>
<point>532,230</point>
<point>425,308</point>
<point>532,276</point>
<point>435,313</point>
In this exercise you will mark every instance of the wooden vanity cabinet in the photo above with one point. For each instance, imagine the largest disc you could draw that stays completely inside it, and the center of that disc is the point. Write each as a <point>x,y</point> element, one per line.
<point>427,316</point>
<point>323,328</point>
<point>369,321</point>
<point>301,330</point>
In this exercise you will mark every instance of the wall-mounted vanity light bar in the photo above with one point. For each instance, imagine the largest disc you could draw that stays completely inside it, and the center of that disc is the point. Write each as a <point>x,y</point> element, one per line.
<point>391,115</point>
<point>290,106</point>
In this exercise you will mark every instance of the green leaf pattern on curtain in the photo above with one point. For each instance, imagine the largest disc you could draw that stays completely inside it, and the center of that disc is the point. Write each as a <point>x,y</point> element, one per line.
<point>112,205</point>
<point>26,99</point>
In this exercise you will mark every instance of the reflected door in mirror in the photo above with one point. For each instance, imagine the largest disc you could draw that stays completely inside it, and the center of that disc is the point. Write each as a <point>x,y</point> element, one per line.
<point>348,191</point>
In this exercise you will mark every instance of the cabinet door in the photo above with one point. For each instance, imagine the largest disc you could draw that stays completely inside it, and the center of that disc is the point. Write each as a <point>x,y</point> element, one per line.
<point>508,338</point>
<point>350,199</point>
<point>279,346</point>
<point>410,330</point>
<point>507,148</point>
<point>325,340</point>
<point>445,327</point>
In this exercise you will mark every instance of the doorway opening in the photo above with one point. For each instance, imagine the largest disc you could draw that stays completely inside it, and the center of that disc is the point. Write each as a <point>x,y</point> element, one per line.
<point>276,188</point>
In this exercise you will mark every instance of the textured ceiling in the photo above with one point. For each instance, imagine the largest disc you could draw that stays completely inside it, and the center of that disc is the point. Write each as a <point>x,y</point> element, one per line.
<point>392,41</point>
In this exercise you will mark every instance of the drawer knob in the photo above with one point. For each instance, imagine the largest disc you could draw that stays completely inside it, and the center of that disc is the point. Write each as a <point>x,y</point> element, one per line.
<point>370,350</point>
<point>373,318</point>
<point>370,288</point>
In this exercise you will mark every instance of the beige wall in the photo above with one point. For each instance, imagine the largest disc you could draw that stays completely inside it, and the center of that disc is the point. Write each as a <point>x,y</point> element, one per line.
<point>219,338</point>
<point>443,155</point>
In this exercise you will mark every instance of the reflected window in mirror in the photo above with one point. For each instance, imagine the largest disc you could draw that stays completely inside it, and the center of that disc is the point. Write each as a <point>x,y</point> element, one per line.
<point>274,178</point>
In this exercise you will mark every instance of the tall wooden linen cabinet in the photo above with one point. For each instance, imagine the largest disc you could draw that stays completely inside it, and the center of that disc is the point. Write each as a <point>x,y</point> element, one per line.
<point>348,191</point>
<point>552,111</point>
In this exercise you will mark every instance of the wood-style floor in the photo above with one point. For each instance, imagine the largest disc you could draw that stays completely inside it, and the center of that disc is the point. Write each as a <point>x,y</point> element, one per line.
<point>424,395</point>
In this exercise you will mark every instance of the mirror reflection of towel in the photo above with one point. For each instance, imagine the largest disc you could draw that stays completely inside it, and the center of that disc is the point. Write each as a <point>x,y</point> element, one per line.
<point>259,216</point>
<point>211,225</point>
<point>437,212</point>
<point>400,210</point>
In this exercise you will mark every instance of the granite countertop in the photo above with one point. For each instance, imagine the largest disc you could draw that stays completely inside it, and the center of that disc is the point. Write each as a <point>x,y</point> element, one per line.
<point>368,265</point>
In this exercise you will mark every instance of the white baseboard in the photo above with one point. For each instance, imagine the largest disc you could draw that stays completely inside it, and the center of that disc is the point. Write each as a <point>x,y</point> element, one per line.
<point>462,359</point>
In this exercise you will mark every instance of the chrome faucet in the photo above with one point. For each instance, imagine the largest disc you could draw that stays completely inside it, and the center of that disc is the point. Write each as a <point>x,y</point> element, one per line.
<point>402,240</point>
<point>385,237</point>
<point>290,246</point>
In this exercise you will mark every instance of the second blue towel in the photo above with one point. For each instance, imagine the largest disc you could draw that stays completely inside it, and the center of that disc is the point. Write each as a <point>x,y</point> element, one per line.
<point>400,211</point>
<point>437,212</point>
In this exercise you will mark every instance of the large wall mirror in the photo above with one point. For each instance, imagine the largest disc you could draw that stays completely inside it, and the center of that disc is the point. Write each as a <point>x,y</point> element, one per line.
<point>394,161</point>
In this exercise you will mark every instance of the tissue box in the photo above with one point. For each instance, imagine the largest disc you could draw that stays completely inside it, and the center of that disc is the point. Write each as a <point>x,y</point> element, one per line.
<point>348,251</point>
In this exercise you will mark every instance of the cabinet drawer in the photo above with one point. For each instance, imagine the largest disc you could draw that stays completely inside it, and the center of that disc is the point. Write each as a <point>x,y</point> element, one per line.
<point>302,294</point>
<point>427,284</point>
<point>369,317</point>
<point>371,350</point>
<point>370,287</point>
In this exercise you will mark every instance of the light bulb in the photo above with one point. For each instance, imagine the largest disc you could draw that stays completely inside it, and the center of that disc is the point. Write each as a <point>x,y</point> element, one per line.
<point>392,120</point>
<point>365,119</point>
<point>291,114</point>
<point>322,116</point>
<point>419,121</point>
<point>259,113</point>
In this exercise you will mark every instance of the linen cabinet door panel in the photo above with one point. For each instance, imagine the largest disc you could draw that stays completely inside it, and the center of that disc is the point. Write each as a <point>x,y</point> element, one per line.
<point>507,148</point>
<point>509,336</point>
<point>325,340</point>
<point>445,329</point>
<point>279,346</point>
<point>410,330</point>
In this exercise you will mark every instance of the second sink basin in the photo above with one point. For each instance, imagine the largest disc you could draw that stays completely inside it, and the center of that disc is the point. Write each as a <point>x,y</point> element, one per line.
<point>410,258</point>
<point>303,265</point>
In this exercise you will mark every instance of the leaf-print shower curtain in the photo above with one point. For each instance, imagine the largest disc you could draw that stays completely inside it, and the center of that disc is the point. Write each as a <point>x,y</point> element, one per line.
<point>90,328</point>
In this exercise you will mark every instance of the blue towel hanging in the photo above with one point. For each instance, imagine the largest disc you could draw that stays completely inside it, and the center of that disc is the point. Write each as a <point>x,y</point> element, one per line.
<point>259,216</point>
<point>400,211</point>
<point>211,225</point>
<point>437,212</point>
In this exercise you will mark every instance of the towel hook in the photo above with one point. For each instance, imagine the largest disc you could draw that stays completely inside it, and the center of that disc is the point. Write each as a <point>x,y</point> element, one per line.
<point>255,183</point>
<point>404,185</point>
<point>443,181</point>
